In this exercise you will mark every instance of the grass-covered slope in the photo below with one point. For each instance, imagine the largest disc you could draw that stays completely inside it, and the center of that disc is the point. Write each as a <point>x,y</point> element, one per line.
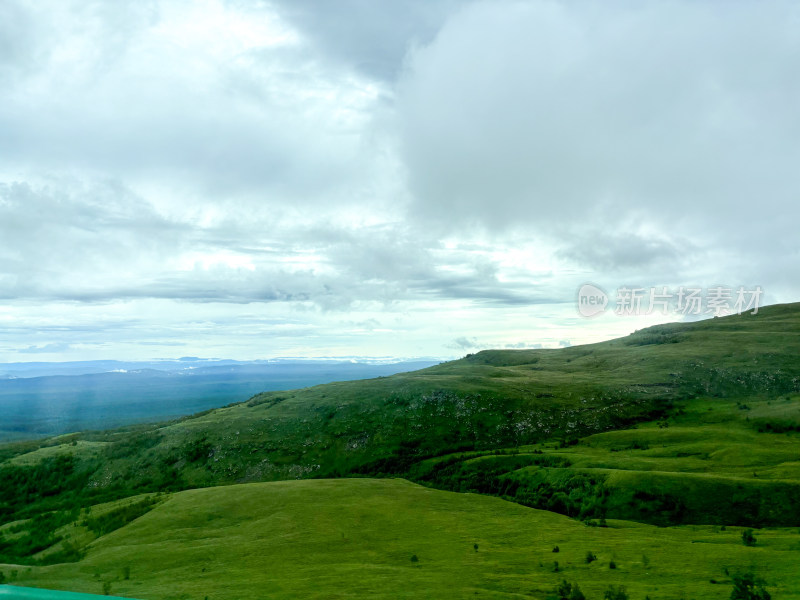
<point>708,463</point>
<point>366,538</point>
<point>704,396</point>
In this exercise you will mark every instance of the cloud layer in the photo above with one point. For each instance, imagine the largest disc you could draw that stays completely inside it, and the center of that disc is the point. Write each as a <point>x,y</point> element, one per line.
<point>269,178</point>
<point>653,127</point>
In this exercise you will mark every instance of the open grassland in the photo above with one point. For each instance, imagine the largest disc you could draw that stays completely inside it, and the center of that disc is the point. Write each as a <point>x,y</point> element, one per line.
<point>79,447</point>
<point>356,538</point>
<point>493,399</point>
<point>696,425</point>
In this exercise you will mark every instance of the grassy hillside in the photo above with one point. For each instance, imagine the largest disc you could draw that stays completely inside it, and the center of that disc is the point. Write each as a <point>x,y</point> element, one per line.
<point>649,427</point>
<point>358,538</point>
<point>708,463</point>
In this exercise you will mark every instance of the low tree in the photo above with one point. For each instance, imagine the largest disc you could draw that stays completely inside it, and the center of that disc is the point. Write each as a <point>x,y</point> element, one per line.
<point>616,593</point>
<point>569,591</point>
<point>749,587</point>
<point>590,557</point>
<point>748,539</point>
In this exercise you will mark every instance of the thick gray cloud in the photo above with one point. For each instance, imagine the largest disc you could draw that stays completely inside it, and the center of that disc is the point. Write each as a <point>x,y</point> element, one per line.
<point>15,32</point>
<point>67,239</point>
<point>465,343</point>
<point>304,177</point>
<point>166,93</point>
<point>662,122</point>
<point>99,243</point>
<point>372,37</point>
<point>604,251</point>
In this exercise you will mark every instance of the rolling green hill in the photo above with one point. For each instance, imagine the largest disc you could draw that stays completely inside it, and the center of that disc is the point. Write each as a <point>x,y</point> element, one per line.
<point>359,538</point>
<point>694,424</point>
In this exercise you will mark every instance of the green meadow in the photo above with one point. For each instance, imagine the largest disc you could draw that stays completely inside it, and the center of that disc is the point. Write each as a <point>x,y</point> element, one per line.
<point>652,454</point>
<point>359,537</point>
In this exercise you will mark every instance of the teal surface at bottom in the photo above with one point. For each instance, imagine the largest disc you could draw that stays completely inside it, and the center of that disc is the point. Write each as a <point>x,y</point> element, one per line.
<point>12,592</point>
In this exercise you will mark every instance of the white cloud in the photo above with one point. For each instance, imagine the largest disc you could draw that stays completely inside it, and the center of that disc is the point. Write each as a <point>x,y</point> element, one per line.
<point>662,122</point>
<point>254,179</point>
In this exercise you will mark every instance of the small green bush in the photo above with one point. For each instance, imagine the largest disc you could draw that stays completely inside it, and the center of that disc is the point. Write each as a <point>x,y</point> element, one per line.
<point>616,593</point>
<point>569,591</point>
<point>749,587</point>
<point>748,539</point>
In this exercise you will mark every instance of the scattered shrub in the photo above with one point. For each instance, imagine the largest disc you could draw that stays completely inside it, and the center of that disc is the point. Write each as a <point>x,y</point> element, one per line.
<point>748,539</point>
<point>590,557</point>
<point>119,517</point>
<point>749,587</point>
<point>615,593</point>
<point>37,534</point>
<point>197,449</point>
<point>778,427</point>
<point>569,591</point>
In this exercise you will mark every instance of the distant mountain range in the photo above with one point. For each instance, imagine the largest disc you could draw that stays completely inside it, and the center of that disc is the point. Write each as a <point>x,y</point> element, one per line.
<point>45,399</point>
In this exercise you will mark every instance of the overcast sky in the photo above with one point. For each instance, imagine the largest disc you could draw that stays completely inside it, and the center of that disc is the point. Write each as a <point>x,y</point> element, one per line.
<point>405,178</point>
